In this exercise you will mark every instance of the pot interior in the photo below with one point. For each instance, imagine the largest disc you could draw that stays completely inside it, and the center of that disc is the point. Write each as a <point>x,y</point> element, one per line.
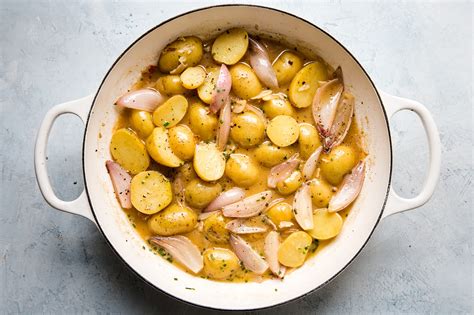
<point>125,240</point>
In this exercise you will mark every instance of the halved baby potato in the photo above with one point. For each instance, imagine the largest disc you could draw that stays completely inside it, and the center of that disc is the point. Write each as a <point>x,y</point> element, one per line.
<point>141,122</point>
<point>278,106</point>
<point>129,151</point>
<point>158,146</point>
<point>286,66</point>
<point>270,155</point>
<point>338,163</point>
<point>170,85</point>
<point>150,192</point>
<point>308,140</point>
<point>175,219</point>
<point>326,224</point>
<point>202,122</point>
<point>230,46</point>
<point>305,83</point>
<point>248,129</point>
<point>220,263</point>
<point>242,170</point>
<point>206,89</point>
<point>283,130</point>
<point>171,112</point>
<point>180,54</point>
<point>293,250</point>
<point>245,83</point>
<point>199,194</point>
<point>193,77</point>
<point>182,141</point>
<point>290,184</point>
<point>209,162</point>
<point>281,212</point>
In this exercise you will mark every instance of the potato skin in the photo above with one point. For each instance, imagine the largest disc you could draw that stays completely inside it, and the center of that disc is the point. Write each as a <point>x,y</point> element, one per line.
<point>308,140</point>
<point>129,151</point>
<point>159,148</point>
<point>326,224</point>
<point>208,162</point>
<point>270,155</point>
<point>175,219</point>
<point>283,130</point>
<point>202,122</point>
<point>338,163</point>
<point>305,83</point>
<point>141,122</point>
<point>247,129</point>
<point>291,183</point>
<point>171,112</point>
<point>214,229</point>
<point>220,263</point>
<point>182,141</point>
<point>188,48</point>
<point>230,46</point>
<point>242,170</point>
<point>293,250</point>
<point>206,89</point>
<point>170,85</point>
<point>199,194</point>
<point>280,212</point>
<point>321,193</point>
<point>286,67</point>
<point>150,192</point>
<point>278,106</point>
<point>245,83</point>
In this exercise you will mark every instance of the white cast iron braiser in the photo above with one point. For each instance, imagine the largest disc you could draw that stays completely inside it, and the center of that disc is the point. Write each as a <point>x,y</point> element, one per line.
<point>98,203</point>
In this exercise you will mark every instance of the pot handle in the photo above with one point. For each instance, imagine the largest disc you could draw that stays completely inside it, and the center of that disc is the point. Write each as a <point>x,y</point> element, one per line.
<point>395,203</point>
<point>79,206</point>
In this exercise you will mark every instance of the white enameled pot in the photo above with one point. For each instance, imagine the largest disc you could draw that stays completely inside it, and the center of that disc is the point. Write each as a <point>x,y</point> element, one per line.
<point>373,110</point>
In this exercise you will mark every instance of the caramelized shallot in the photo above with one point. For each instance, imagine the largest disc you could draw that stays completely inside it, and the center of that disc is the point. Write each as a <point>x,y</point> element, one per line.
<point>325,104</point>
<point>224,125</point>
<point>181,249</point>
<point>303,208</point>
<point>146,99</point>
<point>226,198</point>
<point>250,258</point>
<point>261,64</point>
<point>341,124</point>
<point>282,171</point>
<point>121,181</point>
<point>221,92</point>
<point>350,188</point>
<point>248,207</point>
<point>270,249</point>
<point>310,164</point>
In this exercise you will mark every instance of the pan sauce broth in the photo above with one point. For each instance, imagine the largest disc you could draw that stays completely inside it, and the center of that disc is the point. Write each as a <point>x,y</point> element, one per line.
<point>232,267</point>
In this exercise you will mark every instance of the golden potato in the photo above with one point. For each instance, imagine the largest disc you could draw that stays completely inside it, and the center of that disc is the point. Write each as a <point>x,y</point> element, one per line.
<point>180,54</point>
<point>182,142</point>
<point>286,67</point>
<point>214,229</point>
<point>209,162</point>
<point>281,212</point>
<point>171,112</point>
<point>158,146</point>
<point>193,77</point>
<point>290,184</point>
<point>150,192</point>
<point>170,85</point>
<point>326,224</point>
<point>220,263</point>
<point>278,106</point>
<point>293,250</point>
<point>283,130</point>
<point>270,155</point>
<point>247,130</point>
<point>308,140</point>
<point>305,83</point>
<point>230,46</point>
<point>141,122</point>
<point>245,83</point>
<point>199,194</point>
<point>242,170</point>
<point>321,193</point>
<point>175,219</point>
<point>202,122</point>
<point>206,89</point>
<point>129,151</point>
<point>338,163</point>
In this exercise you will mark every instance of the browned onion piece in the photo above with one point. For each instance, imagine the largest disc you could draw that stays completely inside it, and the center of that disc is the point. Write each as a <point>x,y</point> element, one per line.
<point>350,188</point>
<point>341,124</point>
<point>248,207</point>
<point>250,258</point>
<point>121,181</point>
<point>325,104</point>
<point>146,99</point>
<point>303,208</point>
<point>181,249</point>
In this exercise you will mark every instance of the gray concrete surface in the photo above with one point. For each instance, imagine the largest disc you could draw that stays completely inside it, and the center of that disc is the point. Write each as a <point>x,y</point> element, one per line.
<point>51,262</point>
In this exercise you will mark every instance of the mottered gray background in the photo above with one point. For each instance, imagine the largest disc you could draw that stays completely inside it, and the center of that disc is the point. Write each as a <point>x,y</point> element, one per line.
<point>54,51</point>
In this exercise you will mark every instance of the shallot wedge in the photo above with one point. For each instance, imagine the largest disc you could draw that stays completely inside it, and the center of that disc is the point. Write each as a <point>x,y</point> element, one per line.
<point>226,198</point>
<point>248,207</point>
<point>250,258</point>
<point>303,208</point>
<point>325,104</point>
<point>282,171</point>
<point>221,92</point>
<point>204,215</point>
<point>144,99</point>
<point>261,64</point>
<point>350,188</point>
<point>342,123</point>
<point>270,249</point>
<point>224,125</point>
<point>121,181</point>
<point>245,226</point>
<point>181,249</point>
<point>310,164</point>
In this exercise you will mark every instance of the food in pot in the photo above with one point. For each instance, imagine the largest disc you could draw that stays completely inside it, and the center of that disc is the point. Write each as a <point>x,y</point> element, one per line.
<point>237,158</point>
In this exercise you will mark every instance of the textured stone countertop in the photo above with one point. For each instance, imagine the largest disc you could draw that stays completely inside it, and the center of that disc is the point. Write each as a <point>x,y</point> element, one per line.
<point>52,262</point>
